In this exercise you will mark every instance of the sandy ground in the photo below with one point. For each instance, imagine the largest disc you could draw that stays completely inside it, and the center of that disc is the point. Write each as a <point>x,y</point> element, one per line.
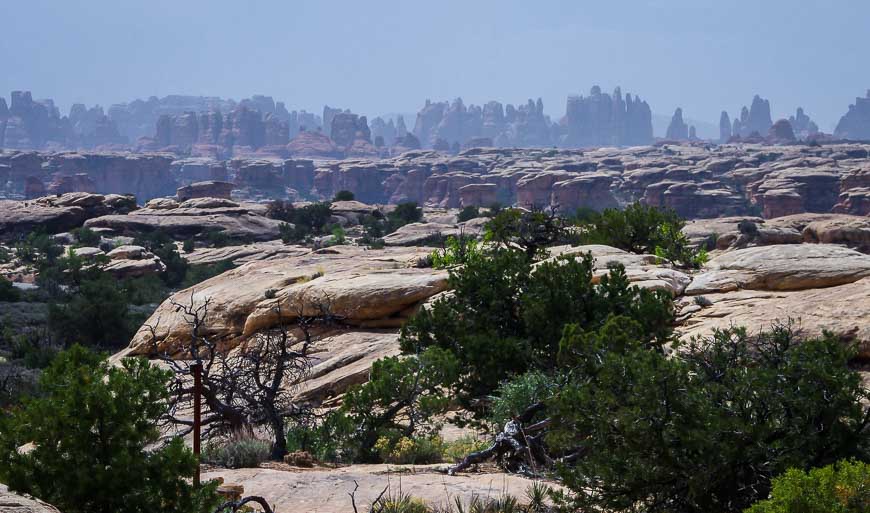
<point>325,490</point>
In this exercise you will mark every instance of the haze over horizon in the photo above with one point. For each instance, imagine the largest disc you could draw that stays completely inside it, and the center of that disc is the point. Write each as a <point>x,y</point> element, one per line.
<point>387,57</point>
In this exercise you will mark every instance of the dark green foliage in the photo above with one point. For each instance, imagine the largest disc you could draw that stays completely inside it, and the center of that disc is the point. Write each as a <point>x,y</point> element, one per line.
<point>145,289</point>
<point>506,315</point>
<point>531,231</point>
<point>748,228</point>
<point>8,292</point>
<point>91,428</point>
<point>514,396</point>
<point>329,439</point>
<point>405,213</point>
<point>840,488</point>
<point>217,239</point>
<point>467,214</point>
<point>585,215</point>
<point>96,315</point>
<point>707,429</point>
<point>32,348</point>
<point>303,222</point>
<point>400,398</point>
<point>344,196</point>
<point>163,246</point>
<point>38,248</point>
<point>188,246</point>
<point>456,251</point>
<point>643,229</point>
<point>86,237</point>
<point>494,209</point>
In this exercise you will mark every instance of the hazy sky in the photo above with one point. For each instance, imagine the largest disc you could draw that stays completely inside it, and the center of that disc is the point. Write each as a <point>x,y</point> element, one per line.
<point>378,57</point>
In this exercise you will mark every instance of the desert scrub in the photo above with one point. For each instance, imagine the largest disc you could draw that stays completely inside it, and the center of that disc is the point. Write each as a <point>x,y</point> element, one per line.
<point>840,488</point>
<point>458,449</point>
<point>239,450</point>
<point>410,451</point>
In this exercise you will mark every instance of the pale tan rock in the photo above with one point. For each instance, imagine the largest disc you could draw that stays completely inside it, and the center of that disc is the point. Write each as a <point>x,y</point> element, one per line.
<point>361,285</point>
<point>14,503</point>
<point>415,234</point>
<point>322,490</point>
<point>789,267</point>
<point>87,253</point>
<point>843,310</point>
<point>127,252</point>
<point>239,255</point>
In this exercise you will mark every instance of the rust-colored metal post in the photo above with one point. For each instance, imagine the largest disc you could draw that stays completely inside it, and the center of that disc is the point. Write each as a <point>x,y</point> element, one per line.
<point>197,421</point>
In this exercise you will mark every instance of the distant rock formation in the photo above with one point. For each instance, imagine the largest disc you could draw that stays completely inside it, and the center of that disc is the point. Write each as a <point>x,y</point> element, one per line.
<point>313,143</point>
<point>803,126</point>
<point>724,128</point>
<point>781,132</point>
<point>346,128</point>
<point>29,124</point>
<point>456,124</point>
<point>753,121</point>
<point>604,120</point>
<point>677,130</point>
<point>855,124</point>
<point>138,118</point>
<point>385,130</point>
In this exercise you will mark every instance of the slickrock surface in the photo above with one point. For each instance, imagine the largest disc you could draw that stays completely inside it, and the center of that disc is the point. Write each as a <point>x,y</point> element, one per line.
<point>13,503</point>
<point>843,310</point>
<point>192,218</point>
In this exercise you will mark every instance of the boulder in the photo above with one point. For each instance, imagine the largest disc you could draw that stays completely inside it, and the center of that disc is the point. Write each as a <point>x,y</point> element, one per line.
<point>419,234</point>
<point>782,267</point>
<point>11,502</point>
<point>208,189</point>
<point>364,287</point>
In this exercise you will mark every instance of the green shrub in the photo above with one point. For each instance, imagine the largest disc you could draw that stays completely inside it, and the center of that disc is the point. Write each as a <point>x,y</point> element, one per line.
<point>8,292</point>
<point>707,429</point>
<point>458,449</point>
<point>343,196</point>
<point>840,488</point>
<point>506,314</point>
<point>338,236</point>
<point>217,239</point>
<point>531,231</point>
<point>644,229</point>
<point>86,237</point>
<point>33,349</point>
<point>456,251</point>
<point>405,213</point>
<point>330,440</point>
<point>404,450</point>
<point>239,450</point>
<point>144,289</point>
<point>514,396</point>
<point>300,223</point>
<point>467,214</point>
<point>38,248</point>
<point>162,245</point>
<point>97,315</point>
<point>188,246</point>
<point>92,428</point>
<point>197,274</point>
